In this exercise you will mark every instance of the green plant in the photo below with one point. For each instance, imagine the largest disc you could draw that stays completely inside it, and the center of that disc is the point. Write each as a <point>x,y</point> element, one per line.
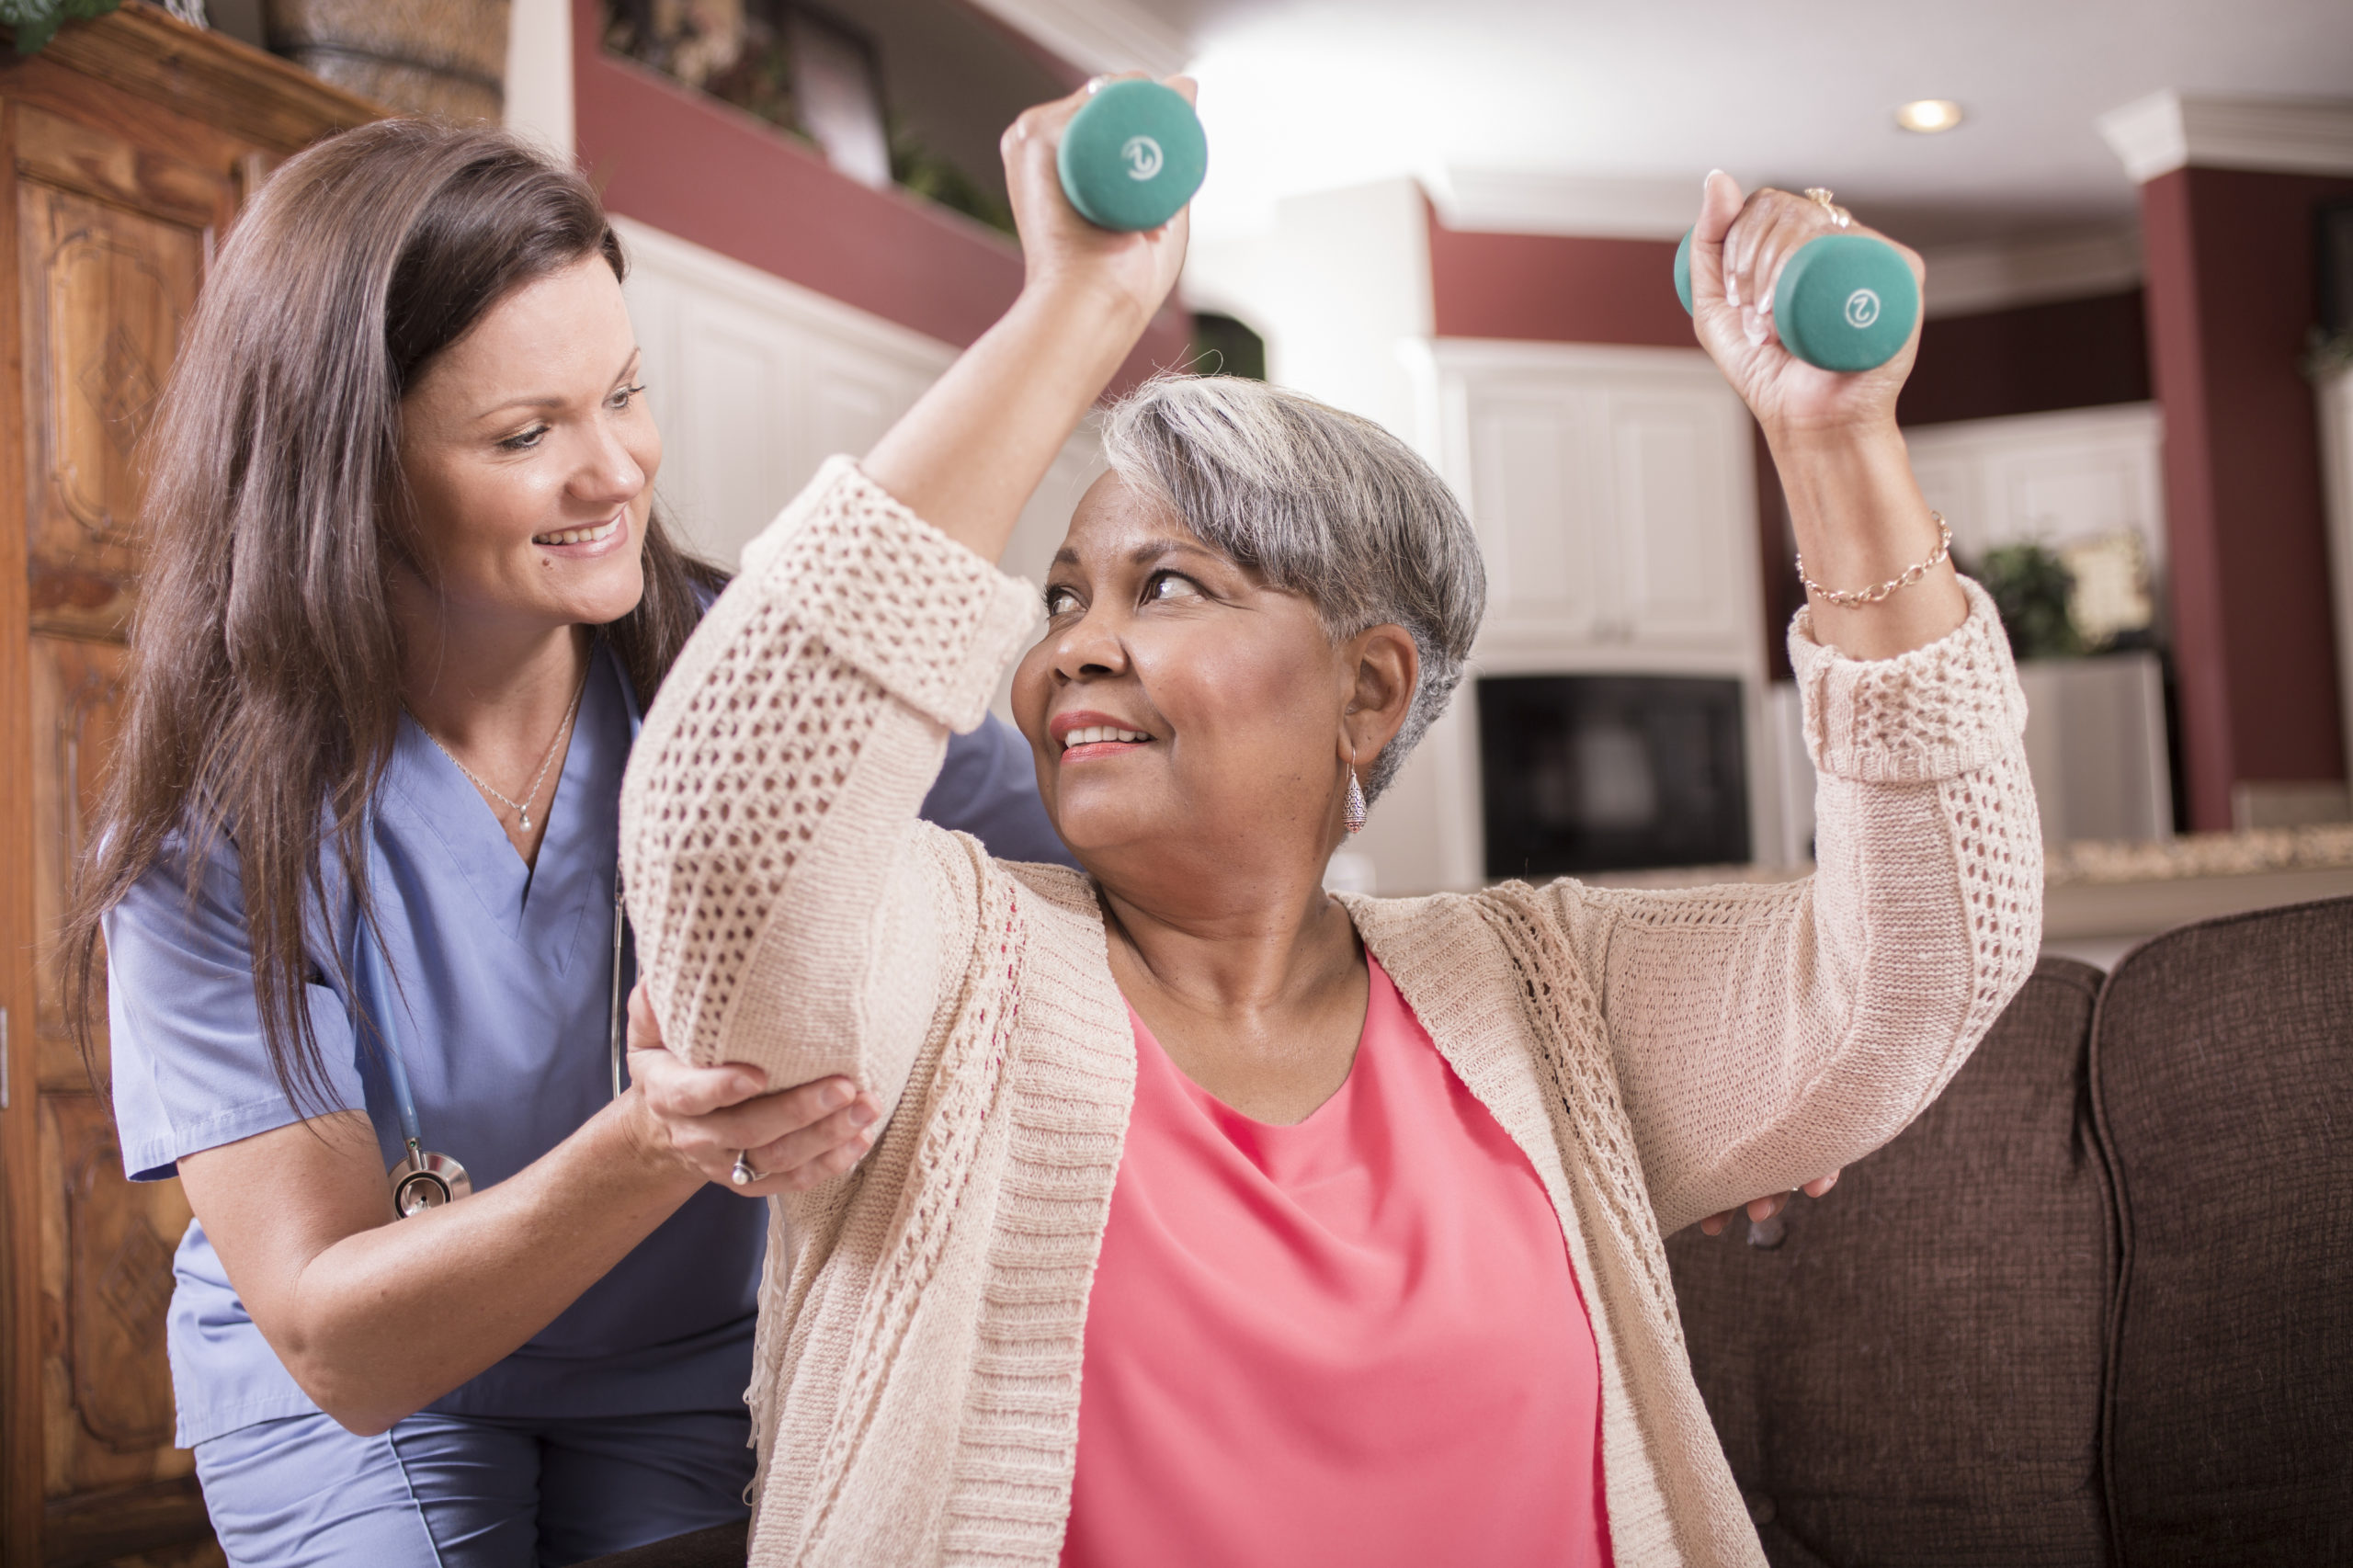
<point>918,168</point>
<point>2031,586</point>
<point>36,21</point>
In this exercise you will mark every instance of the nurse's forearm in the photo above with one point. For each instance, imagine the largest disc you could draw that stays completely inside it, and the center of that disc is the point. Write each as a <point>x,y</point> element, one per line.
<point>376,1320</point>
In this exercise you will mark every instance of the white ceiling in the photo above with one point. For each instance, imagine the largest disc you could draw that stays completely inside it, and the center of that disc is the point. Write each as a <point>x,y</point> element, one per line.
<point>1307,94</point>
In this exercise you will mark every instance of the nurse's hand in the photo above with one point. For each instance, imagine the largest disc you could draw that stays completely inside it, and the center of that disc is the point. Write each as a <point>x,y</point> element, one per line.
<point>701,1116</point>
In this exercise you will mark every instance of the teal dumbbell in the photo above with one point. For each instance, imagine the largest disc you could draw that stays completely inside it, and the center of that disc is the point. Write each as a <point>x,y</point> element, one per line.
<point>1845,302</point>
<point>1132,156</point>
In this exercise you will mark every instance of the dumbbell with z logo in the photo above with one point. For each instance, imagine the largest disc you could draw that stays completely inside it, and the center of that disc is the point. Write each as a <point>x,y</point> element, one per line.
<point>1132,156</point>
<point>1844,302</point>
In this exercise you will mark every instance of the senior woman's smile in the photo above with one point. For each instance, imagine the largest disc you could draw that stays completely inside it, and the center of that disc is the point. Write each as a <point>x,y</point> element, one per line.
<point>1086,735</point>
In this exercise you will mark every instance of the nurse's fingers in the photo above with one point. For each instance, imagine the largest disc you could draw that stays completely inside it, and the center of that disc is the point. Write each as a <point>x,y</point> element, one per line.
<point>808,1155</point>
<point>796,1132</point>
<point>679,1091</point>
<point>770,1119</point>
<point>853,1128</point>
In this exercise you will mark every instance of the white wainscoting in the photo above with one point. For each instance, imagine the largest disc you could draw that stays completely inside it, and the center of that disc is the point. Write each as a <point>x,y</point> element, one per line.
<point>756,382</point>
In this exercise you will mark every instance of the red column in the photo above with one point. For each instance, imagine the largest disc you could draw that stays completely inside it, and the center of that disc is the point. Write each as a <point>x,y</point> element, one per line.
<point>2230,299</point>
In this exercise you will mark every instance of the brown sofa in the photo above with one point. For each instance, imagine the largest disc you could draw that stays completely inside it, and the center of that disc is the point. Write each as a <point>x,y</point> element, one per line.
<point>2096,1306</point>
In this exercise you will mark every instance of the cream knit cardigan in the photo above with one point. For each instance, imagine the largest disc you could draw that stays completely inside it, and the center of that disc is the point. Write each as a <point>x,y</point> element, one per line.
<point>1657,1055</point>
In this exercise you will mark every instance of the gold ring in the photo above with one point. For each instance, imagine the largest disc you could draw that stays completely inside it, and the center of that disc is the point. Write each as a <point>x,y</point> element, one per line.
<point>1820,196</point>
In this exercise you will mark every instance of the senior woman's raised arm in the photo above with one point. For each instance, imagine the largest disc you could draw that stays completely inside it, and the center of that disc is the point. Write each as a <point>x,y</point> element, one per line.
<point>769,823</point>
<point>1764,1036</point>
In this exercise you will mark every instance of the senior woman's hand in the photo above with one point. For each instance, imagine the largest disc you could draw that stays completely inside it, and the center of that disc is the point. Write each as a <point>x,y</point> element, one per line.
<point>1760,1209</point>
<point>1738,249</point>
<point>968,456</point>
<point>1854,507</point>
<point>1058,248</point>
<point>794,1138</point>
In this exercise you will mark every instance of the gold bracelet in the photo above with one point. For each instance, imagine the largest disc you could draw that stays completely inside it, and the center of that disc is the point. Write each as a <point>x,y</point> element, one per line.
<point>1912,575</point>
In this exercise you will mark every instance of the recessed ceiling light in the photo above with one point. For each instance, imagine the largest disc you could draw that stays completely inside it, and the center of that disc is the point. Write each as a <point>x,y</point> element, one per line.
<point>1927,116</point>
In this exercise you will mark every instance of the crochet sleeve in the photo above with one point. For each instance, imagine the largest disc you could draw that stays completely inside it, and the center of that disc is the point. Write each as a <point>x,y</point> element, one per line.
<point>790,910</point>
<point>1764,1036</point>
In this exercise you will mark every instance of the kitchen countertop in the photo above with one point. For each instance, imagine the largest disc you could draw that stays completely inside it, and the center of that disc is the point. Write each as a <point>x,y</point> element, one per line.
<point>2101,899</point>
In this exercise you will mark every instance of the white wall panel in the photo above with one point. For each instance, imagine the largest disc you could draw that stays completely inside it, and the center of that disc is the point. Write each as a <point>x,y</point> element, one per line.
<point>756,382</point>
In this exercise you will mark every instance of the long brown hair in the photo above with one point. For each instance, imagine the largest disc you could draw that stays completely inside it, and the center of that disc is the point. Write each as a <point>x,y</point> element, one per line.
<point>264,693</point>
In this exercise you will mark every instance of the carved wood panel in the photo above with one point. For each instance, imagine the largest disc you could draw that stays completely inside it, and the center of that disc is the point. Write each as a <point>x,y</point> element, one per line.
<point>112,1283</point>
<point>76,698</point>
<point>106,292</point>
<point>128,144</point>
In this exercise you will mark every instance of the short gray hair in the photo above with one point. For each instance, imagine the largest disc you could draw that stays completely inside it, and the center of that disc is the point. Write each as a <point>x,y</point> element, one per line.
<point>1318,503</point>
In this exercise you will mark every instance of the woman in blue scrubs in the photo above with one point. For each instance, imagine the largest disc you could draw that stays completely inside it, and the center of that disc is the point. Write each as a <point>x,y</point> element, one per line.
<point>405,599</point>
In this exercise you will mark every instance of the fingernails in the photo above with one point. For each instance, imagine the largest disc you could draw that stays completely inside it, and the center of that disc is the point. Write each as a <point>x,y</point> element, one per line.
<point>861,1115</point>
<point>1752,323</point>
<point>1708,178</point>
<point>746,1085</point>
<point>1732,292</point>
<point>833,1095</point>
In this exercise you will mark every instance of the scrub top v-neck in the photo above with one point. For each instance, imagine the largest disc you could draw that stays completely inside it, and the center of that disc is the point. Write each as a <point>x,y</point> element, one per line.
<point>504,974</point>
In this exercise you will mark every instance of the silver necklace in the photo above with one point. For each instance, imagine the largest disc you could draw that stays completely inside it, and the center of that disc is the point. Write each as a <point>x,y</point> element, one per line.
<point>522,808</point>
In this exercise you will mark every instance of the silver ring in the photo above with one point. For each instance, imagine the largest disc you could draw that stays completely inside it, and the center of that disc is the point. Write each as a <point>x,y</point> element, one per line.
<point>743,1175</point>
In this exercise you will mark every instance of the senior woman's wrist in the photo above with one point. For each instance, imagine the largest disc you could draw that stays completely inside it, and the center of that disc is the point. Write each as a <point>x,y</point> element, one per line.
<point>1861,520</point>
<point>1080,306</point>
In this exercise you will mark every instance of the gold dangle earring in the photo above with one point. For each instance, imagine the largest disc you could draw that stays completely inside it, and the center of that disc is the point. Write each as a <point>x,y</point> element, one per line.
<point>1355,809</point>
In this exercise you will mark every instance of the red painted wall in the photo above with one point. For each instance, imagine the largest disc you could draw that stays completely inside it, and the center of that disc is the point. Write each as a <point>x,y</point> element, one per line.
<point>1555,289</point>
<point>2230,298</point>
<point>673,157</point>
<point>2029,359</point>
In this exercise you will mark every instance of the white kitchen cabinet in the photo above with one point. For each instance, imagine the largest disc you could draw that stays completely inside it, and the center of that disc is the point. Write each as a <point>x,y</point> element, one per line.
<point>2051,479</point>
<point>1613,491</point>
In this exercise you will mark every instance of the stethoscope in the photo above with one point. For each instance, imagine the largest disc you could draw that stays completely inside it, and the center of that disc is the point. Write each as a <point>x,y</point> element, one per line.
<point>423,1179</point>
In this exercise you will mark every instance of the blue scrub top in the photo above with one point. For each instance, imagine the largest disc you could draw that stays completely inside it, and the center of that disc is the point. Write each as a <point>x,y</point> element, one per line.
<point>504,974</point>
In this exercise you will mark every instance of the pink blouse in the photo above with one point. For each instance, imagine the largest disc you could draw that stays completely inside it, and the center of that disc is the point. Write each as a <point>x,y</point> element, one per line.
<point>1353,1341</point>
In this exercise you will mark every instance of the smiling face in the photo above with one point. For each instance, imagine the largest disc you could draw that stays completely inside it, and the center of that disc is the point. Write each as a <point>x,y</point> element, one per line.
<point>530,458</point>
<point>1181,711</point>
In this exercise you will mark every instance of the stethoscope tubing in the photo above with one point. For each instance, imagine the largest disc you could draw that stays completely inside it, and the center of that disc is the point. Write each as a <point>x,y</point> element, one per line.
<point>373,980</point>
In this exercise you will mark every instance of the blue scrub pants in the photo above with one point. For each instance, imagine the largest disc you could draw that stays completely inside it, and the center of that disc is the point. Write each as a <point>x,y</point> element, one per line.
<point>470,1492</point>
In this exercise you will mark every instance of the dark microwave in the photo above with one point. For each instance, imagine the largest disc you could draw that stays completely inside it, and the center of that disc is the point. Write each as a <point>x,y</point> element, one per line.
<point>1602,773</point>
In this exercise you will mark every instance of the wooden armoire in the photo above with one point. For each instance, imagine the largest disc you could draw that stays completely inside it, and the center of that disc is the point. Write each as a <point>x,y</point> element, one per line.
<point>126,146</point>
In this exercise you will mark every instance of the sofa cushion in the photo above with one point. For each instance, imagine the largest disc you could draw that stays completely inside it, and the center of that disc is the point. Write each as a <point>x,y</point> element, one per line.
<point>1913,1375</point>
<point>2222,1083</point>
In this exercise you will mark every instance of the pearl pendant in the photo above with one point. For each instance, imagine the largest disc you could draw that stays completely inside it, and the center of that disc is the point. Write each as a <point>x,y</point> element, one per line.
<point>527,821</point>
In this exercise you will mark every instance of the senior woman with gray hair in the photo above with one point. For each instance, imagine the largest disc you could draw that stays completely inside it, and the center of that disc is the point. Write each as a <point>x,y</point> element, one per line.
<point>1214,1219</point>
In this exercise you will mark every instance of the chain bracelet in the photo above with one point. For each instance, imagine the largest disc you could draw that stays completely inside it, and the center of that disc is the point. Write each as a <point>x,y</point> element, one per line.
<point>1861,597</point>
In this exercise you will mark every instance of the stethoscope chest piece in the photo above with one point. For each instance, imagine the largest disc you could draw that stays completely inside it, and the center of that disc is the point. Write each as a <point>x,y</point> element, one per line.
<point>427,1180</point>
